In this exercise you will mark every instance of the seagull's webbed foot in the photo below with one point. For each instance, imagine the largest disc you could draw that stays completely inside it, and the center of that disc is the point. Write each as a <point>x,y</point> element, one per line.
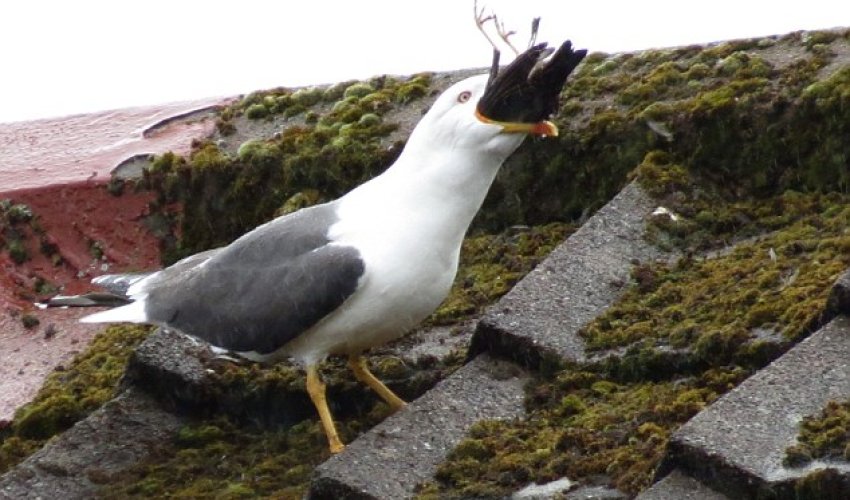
<point>360,368</point>
<point>316,390</point>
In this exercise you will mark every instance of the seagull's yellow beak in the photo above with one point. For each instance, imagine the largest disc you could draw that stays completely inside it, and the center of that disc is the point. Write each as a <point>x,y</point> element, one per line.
<point>544,128</point>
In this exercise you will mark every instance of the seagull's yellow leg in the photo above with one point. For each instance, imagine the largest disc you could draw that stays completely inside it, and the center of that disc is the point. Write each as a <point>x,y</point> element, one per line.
<point>316,390</point>
<point>361,371</point>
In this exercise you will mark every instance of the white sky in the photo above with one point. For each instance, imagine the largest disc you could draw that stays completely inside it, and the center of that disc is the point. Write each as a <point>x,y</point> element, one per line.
<point>64,57</point>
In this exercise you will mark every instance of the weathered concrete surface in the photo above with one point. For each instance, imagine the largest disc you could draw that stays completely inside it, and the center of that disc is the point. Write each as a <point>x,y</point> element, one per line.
<point>738,443</point>
<point>543,313</point>
<point>181,374</point>
<point>679,486</point>
<point>168,366</point>
<point>110,440</point>
<point>392,458</point>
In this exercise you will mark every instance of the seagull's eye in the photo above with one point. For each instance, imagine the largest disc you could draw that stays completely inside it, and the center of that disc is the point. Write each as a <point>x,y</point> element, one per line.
<point>464,96</point>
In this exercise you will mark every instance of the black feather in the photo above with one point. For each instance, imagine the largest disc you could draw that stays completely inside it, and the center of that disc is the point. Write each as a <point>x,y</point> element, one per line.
<point>527,90</point>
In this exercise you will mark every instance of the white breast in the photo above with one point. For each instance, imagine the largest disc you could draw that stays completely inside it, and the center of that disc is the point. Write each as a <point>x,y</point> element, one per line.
<point>410,262</point>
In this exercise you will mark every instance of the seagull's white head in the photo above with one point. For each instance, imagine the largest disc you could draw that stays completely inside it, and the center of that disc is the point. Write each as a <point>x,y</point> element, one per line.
<point>453,122</point>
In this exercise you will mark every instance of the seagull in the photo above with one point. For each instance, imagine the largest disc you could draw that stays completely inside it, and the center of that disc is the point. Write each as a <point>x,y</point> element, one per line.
<point>345,276</point>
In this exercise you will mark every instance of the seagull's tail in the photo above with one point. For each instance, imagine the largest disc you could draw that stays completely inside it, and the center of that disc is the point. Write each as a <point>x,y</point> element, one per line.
<point>133,312</point>
<point>126,309</point>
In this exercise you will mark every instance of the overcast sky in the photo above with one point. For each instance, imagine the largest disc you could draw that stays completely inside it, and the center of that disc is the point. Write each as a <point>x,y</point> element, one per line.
<point>64,57</point>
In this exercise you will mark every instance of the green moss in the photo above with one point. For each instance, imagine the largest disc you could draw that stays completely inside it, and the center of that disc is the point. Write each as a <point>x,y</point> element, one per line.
<point>822,484</point>
<point>307,97</point>
<point>299,200</point>
<point>414,89</point>
<point>255,151</point>
<point>779,283</point>
<point>492,264</point>
<point>218,458</point>
<point>336,91</point>
<point>580,425</point>
<point>369,120</point>
<point>96,249</point>
<point>29,321</point>
<point>825,436</point>
<point>294,110</point>
<point>70,393</point>
<point>657,83</point>
<point>256,111</point>
<point>660,176</point>
<point>706,100</point>
<point>17,251</point>
<point>16,213</point>
<point>812,39</point>
<point>17,224</point>
<point>311,117</point>
<point>358,90</point>
<point>830,92</point>
<point>743,65</point>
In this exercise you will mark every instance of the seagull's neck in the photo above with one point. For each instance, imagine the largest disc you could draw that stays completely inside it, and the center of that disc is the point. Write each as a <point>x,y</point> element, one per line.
<point>441,191</point>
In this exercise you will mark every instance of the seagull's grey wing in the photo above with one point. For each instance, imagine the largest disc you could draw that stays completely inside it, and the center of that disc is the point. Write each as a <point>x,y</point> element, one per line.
<point>264,289</point>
